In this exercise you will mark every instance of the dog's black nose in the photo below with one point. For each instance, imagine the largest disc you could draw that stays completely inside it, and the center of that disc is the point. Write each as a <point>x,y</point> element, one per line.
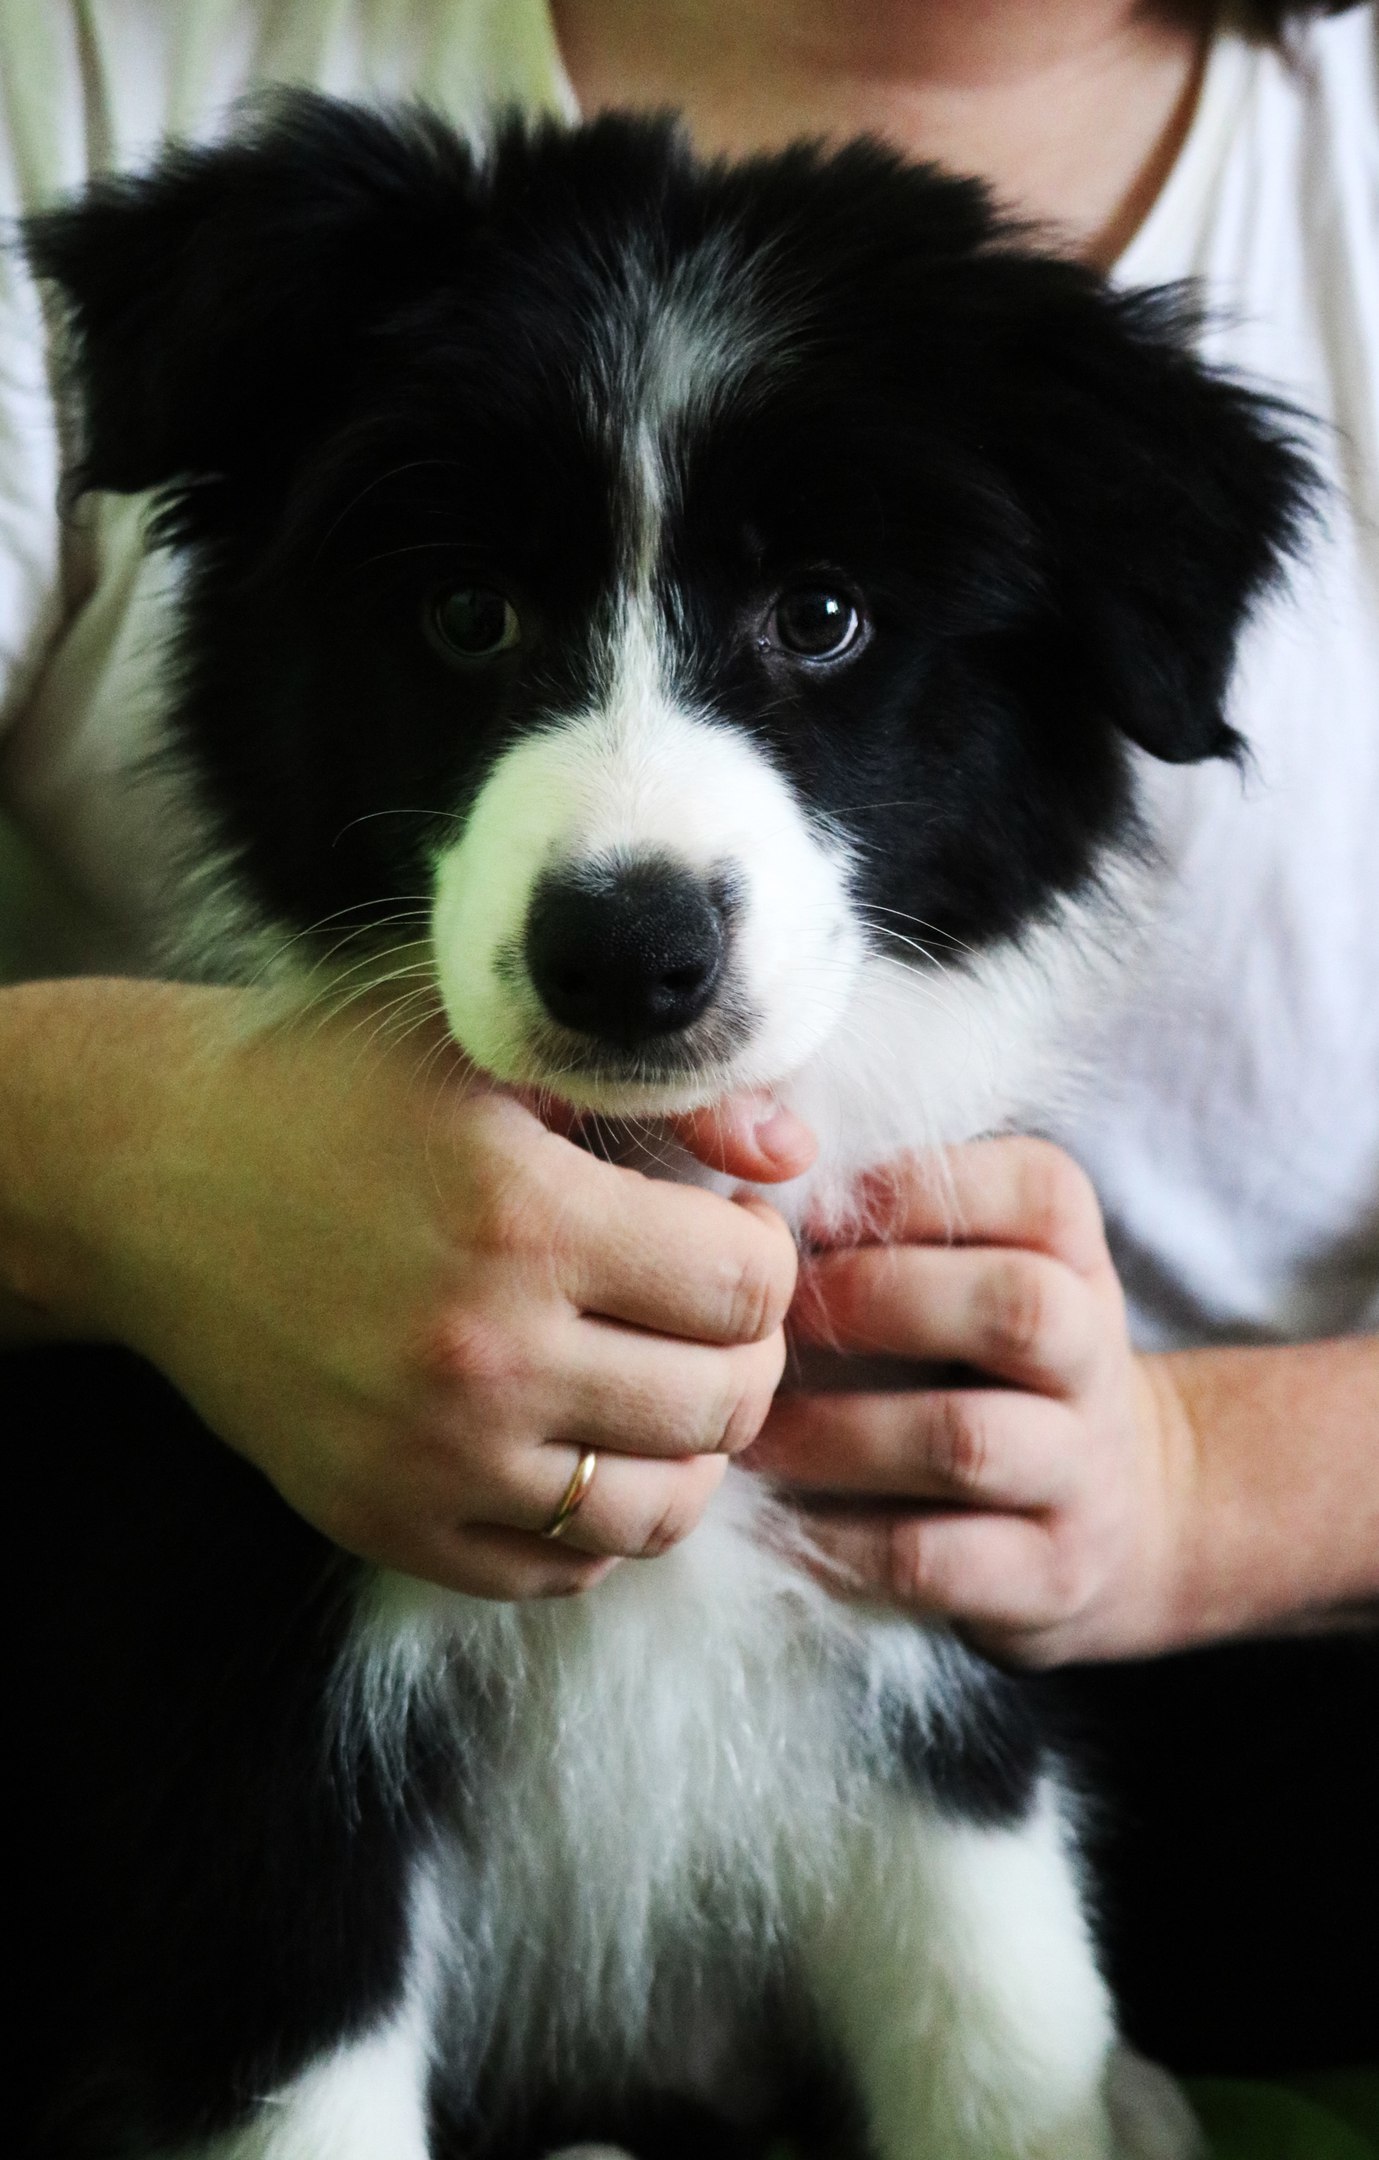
<point>625,951</point>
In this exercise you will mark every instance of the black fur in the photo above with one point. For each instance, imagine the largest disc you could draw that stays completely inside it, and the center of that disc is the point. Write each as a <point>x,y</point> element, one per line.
<point>216,1905</point>
<point>978,1752</point>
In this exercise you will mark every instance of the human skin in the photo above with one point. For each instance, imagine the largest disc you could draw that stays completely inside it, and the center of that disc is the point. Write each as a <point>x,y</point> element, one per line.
<point>384,1281</point>
<point>1073,110</point>
<point>407,1301</point>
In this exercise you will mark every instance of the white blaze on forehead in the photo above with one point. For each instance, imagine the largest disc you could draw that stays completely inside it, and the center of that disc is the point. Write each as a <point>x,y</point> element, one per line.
<point>642,776</point>
<point>669,347</point>
<point>673,337</point>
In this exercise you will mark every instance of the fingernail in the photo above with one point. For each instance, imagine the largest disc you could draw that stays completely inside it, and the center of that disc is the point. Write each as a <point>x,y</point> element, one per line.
<point>778,1136</point>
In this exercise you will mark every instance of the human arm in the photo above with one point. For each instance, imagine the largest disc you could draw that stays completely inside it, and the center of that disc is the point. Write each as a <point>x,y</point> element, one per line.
<point>1090,1503</point>
<point>388,1285</point>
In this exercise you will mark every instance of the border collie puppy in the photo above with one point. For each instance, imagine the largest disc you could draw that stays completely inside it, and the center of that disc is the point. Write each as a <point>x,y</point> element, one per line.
<point>763,578</point>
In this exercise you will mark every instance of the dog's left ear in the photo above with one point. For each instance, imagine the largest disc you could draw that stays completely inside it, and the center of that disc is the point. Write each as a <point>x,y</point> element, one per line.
<point>218,304</point>
<point>1169,500</point>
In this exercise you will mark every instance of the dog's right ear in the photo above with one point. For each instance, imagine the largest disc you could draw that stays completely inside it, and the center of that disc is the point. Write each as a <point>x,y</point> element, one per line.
<point>219,304</point>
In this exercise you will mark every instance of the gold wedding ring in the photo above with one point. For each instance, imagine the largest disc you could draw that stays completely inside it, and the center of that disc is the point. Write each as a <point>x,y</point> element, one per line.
<point>572,1500</point>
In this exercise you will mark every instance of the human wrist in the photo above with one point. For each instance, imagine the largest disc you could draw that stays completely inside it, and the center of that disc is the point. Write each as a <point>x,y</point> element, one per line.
<point>1280,1530</point>
<point>1217,1574</point>
<point>1178,1591</point>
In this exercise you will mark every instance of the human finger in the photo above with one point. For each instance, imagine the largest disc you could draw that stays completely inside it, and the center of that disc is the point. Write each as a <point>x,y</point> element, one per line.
<point>986,1571</point>
<point>645,1394</point>
<point>1005,1310</point>
<point>681,1261</point>
<point>493,1560</point>
<point>420,1536</point>
<point>1013,1190</point>
<point>631,1508</point>
<point>748,1137</point>
<point>985,1446</point>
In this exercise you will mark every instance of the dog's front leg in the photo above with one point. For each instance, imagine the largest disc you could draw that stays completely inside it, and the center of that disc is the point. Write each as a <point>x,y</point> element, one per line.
<point>364,2101</point>
<point>366,2098</point>
<point>953,1969</point>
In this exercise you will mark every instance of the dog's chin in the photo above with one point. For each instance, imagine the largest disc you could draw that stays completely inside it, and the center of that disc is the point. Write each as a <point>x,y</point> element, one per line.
<point>637,1088</point>
<point>601,1093</point>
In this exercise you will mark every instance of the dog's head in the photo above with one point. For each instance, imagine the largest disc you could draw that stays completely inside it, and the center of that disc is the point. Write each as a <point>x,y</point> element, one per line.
<point>694,586</point>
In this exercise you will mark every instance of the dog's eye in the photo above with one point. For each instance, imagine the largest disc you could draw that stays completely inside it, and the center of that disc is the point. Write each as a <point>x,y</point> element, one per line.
<point>814,623</point>
<point>475,622</point>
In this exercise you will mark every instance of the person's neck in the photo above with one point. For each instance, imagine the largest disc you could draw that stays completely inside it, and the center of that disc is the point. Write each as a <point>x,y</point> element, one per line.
<point>1073,110</point>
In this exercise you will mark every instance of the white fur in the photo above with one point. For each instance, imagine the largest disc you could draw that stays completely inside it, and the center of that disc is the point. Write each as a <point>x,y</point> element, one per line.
<point>928,1056</point>
<point>657,1757</point>
<point>679,1796</point>
<point>955,1969</point>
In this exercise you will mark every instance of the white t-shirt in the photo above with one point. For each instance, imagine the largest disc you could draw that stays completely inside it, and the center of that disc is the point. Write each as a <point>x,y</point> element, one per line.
<point>1232,1123</point>
<point>1233,1126</point>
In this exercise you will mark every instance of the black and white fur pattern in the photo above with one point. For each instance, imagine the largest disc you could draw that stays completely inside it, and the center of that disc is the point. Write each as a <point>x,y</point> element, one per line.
<point>354,1869</point>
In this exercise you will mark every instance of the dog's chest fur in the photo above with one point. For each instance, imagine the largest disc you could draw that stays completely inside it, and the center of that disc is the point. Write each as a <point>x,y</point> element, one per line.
<point>670,1769</point>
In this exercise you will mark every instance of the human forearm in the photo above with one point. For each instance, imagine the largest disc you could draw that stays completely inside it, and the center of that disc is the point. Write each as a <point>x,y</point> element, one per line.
<point>80,1063</point>
<point>1280,1529</point>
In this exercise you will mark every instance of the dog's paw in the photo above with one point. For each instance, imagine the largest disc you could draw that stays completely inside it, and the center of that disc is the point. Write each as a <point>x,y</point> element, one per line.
<point>1149,2111</point>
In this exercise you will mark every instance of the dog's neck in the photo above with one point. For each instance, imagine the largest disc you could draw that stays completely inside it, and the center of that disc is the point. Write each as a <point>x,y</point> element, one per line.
<point>1073,111</point>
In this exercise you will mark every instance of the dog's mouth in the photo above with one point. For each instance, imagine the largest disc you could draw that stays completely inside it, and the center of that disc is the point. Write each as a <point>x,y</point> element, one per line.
<point>631,1078</point>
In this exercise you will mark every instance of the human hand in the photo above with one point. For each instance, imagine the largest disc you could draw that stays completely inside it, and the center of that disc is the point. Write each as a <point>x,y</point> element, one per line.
<point>390,1286</point>
<point>1040,1507</point>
